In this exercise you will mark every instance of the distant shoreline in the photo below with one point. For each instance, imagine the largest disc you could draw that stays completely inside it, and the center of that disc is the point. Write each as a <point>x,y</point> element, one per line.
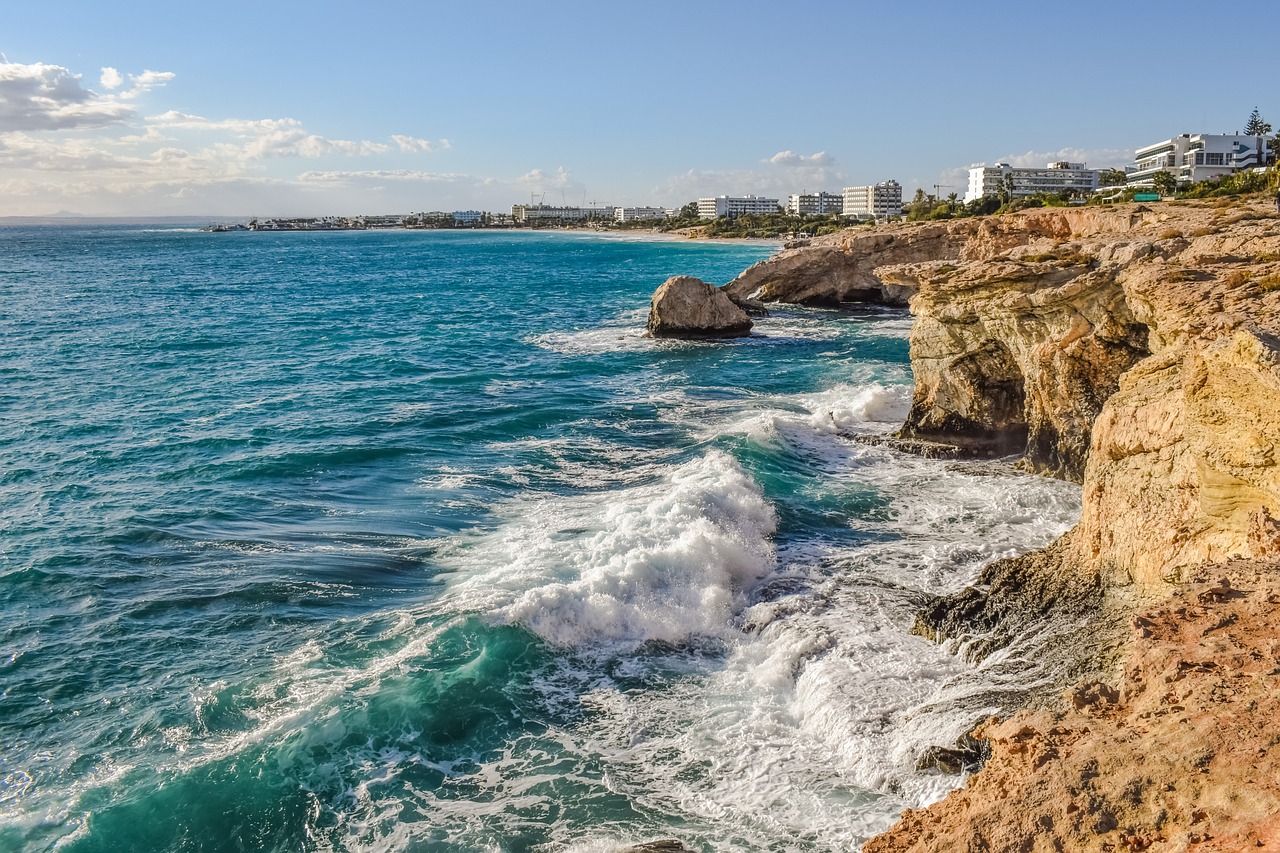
<point>204,222</point>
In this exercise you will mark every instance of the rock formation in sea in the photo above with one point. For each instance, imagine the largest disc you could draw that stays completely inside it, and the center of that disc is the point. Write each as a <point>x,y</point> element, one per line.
<point>687,307</point>
<point>1136,350</point>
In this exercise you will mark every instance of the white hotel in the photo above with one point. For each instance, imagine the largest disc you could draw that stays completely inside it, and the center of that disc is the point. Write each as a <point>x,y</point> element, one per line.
<point>1053,178</point>
<point>815,203</point>
<point>545,213</point>
<point>631,214</point>
<point>1197,157</point>
<point>875,201</point>
<point>727,205</point>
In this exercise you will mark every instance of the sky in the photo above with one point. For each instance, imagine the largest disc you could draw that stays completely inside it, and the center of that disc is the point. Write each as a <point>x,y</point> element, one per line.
<point>342,108</point>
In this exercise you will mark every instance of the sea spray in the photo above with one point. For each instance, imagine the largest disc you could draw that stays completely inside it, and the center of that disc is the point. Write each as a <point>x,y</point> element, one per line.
<point>664,562</point>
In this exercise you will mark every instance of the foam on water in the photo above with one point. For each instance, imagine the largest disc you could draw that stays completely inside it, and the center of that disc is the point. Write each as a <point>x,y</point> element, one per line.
<point>664,561</point>
<point>392,557</point>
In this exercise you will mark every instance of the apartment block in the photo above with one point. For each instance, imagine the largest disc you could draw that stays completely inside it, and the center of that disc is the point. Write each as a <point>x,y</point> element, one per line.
<point>815,203</point>
<point>874,201</point>
<point>1058,177</point>
<point>727,205</point>
<point>1198,157</point>
<point>631,214</point>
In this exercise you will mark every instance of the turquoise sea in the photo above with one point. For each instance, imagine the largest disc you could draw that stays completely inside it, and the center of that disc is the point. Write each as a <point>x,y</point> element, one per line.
<point>381,541</point>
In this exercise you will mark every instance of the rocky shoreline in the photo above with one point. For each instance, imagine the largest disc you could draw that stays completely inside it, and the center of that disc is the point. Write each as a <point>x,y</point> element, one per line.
<point>1135,350</point>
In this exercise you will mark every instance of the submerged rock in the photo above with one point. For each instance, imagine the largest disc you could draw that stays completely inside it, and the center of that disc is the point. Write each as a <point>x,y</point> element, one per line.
<point>666,845</point>
<point>687,307</point>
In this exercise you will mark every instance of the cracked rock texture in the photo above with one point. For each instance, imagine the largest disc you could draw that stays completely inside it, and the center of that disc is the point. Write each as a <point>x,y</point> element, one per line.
<point>1181,754</point>
<point>1143,362</point>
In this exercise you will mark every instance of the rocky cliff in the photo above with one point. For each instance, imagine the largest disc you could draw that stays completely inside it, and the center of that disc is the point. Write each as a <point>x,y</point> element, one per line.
<point>1133,349</point>
<point>1180,753</point>
<point>1143,361</point>
<point>1136,350</point>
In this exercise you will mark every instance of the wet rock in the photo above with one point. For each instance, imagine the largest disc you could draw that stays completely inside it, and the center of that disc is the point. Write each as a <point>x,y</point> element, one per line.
<point>967,755</point>
<point>666,845</point>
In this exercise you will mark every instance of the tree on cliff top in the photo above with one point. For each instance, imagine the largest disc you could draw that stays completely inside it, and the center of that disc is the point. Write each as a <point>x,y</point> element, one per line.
<point>1256,126</point>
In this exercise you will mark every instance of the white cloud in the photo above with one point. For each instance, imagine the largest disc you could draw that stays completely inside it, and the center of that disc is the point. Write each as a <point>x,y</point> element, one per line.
<point>281,137</point>
<point>1097,158</point>
<point>144,82</point>
<point>537,179</point>
<point>785,172</point>
<point>352,177</point>
<point>69,146</point>
<point>794,160</point>
<point>701,183</point>
<point>413,144</point>
<point>49,97</point>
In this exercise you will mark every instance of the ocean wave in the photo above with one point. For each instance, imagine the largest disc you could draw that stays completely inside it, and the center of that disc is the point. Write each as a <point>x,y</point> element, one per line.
<point>664,561</point>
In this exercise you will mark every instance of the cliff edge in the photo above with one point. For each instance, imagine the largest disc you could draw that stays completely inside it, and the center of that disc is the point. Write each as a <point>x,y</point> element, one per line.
<point>1140,357</point>
<point>1135,350</point>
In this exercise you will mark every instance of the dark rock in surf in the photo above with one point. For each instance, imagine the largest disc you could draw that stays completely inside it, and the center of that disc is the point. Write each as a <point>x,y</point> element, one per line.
<point>666,845</point>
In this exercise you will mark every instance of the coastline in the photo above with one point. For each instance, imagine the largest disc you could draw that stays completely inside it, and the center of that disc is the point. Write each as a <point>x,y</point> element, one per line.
<point>1135,350</point>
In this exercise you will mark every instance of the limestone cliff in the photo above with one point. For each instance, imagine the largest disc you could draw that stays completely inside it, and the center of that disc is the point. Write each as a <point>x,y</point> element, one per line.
<point>1133,349</point>
<point>1136,350</point>
<point>1182,755</point>
<point>1145,363</point>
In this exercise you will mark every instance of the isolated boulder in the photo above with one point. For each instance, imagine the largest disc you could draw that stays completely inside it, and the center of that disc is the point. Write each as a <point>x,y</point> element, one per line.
<point>687,307</point>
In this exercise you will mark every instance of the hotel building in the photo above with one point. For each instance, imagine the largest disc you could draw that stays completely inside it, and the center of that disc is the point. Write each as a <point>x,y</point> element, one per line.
<point>544,214</point>
<point>1197,157</point>
<point>875,201</point>
<point>630,214</point>
<point>727,205</point>
<point>815,203</point>
<point>1053,178</point>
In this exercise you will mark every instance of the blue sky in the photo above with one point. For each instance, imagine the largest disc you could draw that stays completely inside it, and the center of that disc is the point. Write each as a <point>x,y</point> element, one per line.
<point>289,108</point>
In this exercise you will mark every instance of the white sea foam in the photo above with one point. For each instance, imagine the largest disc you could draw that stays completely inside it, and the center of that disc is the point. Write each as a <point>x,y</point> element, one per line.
<point>808,419</point>
<point>662,561</point>
<point>888,327</point>
<point>846,408</point>
<point>811,723</point>
<point>814,726</point>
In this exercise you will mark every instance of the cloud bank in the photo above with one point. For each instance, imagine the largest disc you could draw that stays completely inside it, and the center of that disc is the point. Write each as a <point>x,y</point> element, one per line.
<point>62,141</point>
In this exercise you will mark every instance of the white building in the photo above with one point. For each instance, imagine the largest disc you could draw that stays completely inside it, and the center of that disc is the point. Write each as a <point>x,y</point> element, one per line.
<point>875,201</point>
<point>546,214</point>
<point>727,205</point>
<point>1053,178</point>
<point>467,218</point>
<point>1197,157</point>
<point>815,203</point>
<point>631,214</point>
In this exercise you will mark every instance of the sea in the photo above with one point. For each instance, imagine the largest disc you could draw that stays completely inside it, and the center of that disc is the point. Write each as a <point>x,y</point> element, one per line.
<point>413,541</point>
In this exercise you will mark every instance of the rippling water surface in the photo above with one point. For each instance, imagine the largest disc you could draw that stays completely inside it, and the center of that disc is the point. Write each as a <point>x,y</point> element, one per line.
<point>411,541</point>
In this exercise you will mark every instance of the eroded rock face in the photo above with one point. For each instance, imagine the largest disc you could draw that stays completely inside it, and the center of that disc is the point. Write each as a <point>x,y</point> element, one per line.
<point>1185,466</point>
<point>1182,468</point>
<point>1017,355</point>
<point>846,267</point>
<point>1179,753</point>
<point>687,307</point>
